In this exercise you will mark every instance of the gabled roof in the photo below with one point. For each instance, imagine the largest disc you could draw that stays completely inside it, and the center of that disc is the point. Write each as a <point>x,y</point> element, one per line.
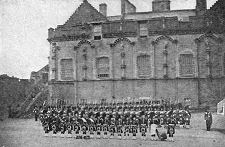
<point>84,13</point>
<point>45,68</point>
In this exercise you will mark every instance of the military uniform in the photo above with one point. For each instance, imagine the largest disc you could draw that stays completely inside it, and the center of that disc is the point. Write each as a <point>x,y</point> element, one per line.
<point>208,119</point>
<point>143,126</point>
<point>77,130</point>
<point>112,127</point>
<point>171,128</point>
<point>36,113</point>
<point>119,127</point>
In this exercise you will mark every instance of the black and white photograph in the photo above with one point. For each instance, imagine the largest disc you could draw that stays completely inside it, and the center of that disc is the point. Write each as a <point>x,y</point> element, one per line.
<point>112,73</point>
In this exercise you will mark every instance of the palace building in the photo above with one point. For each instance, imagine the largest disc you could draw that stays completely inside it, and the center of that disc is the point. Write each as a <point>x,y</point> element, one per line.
<point>166,54</point>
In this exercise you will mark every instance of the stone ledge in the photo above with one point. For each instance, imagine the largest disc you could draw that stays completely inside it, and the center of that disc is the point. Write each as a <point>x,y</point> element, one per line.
<point>130,79</point>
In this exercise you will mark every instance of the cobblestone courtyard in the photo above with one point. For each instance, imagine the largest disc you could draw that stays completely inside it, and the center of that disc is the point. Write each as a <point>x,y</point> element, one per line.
<point>28,133</point>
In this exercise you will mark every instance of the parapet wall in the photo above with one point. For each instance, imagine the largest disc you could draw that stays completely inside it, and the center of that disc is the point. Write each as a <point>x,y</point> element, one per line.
<point>130,28</point>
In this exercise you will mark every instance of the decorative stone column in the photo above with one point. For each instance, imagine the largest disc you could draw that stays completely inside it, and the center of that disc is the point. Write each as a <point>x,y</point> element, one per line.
<point>56,69</point>
<point>85,67</point>
<point>52,61</point>
<point>123,63</point>
<point>165,57</point>
<point>208,62</point>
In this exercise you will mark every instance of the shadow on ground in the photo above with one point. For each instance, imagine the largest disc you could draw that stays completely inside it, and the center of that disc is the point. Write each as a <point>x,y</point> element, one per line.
<point>218,130</point>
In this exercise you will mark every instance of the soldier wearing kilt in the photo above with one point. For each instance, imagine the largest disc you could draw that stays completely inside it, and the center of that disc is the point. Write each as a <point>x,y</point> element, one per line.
<point>77,129</point>
<point>84,129</point>
<point>134,127</point>
<point>41,114</point>
<point>105,127</point>
<point>63,123</point>
<point>112,127</point>
<point>162,118</point>
<point>98,128</point>
<point>171,127</point>
<point>126,122</point>
<point>187,117</point>
<point>181,119</point>
<point>126,130</point>
<point>149,122</point>
<point>92,128</point>
<point>46,122</point>
<point>119,127</point>
<point>143,127</point>
<point>69,124</point>
<point>55,123</point>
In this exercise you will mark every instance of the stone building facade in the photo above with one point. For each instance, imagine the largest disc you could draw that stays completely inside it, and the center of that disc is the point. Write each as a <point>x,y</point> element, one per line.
<point>41,76</point>
<point>163,54</point>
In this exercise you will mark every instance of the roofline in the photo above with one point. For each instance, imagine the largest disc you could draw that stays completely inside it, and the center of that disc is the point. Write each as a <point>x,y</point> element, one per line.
<point>131,3</point>
<point>161,11</point>
<point>148,12</point>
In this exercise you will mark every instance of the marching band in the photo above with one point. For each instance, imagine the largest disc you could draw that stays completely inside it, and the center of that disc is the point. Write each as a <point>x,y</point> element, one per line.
<point>114,121</point>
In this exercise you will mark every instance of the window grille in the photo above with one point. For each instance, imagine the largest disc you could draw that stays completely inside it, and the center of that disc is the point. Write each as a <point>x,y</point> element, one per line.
<point>186,65</point>
<point>66,69</point>
<point>144,66</point>
<point>103,67</point>
<point>143,30</point>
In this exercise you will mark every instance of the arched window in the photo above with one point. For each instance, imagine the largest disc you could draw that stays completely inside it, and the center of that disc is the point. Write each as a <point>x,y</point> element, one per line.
<point>67,69</point>
<point>143,66</point>
<point>102,67</point>
<point>186,65</point>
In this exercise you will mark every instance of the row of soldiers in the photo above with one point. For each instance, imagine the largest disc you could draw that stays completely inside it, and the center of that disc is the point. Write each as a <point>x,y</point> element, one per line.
<point>114,121</point>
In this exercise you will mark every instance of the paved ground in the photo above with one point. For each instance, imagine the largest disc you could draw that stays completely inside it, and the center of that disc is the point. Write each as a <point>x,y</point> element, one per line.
<point>28,133</point>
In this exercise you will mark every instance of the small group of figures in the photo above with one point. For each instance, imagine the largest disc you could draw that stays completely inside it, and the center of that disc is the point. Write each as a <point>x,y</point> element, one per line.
<point>114,122</point>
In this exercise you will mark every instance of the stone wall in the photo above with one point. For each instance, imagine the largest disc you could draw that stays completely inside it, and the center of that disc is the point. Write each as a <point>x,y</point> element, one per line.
<point>170,34</point>
<point>127,7</point>
<point>200,92</point>
<point>86,84</point>
<point>159,6</point>
<point>171,90</point>
<point>63,91</point>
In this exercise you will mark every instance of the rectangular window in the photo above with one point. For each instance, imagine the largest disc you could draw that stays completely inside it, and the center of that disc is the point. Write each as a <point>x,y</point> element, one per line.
<point>184,19</point>
<point>103,67</point>
<point>45,77</point>
<point>143,30</point>
<point>186,65</point>
<point>97,32</point>
<point>67,69</point>
<point>144,66</point>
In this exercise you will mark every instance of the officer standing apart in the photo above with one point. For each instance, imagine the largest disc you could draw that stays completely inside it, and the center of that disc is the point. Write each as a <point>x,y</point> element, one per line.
<point>208,119</point>
<point>35,112</point>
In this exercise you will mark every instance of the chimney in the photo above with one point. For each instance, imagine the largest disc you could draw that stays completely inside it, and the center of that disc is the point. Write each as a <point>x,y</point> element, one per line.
<point>50,32</point>
<point>201,6</point>
<point>103,9</point>
<point>160,5</point>
<point>127,7</point>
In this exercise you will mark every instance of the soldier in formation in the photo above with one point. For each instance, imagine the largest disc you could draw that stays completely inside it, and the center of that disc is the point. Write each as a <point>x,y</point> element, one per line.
<point>114,120</point>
